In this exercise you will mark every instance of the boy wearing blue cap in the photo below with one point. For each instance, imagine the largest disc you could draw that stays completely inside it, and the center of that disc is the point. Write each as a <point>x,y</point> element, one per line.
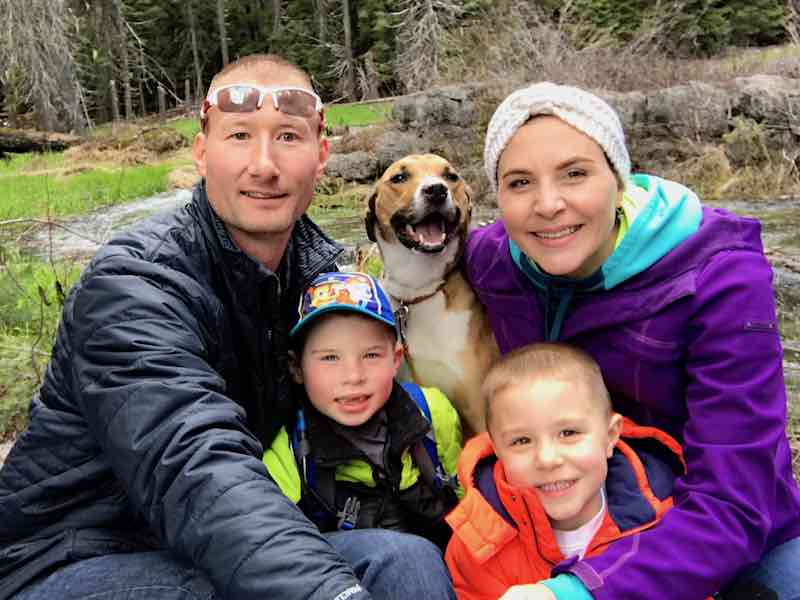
<point>365,451</point>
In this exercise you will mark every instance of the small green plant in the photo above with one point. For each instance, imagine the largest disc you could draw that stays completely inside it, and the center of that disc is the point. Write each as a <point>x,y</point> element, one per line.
<point>746,144</point>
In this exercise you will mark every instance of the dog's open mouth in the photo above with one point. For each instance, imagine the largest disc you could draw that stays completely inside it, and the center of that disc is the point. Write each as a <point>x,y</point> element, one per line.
<point>430,234</point>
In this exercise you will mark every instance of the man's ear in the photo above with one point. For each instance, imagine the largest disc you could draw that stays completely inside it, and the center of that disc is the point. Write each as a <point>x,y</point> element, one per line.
<point>324,153</point>
<point>614,431</point>
<point>294,367</point>
<point>199,153</point>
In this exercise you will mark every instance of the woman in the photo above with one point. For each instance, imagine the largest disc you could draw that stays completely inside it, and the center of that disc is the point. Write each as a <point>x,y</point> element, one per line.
<point>674,300</point>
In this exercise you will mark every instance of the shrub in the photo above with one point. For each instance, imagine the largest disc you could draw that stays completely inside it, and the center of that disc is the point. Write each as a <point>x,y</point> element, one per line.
<point>746,144</point>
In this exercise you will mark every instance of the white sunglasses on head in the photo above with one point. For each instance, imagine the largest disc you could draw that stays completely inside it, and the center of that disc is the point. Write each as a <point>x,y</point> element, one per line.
<point>245,97</point>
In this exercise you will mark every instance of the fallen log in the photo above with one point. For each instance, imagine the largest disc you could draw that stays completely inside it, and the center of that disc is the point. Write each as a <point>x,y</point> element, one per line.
<point>23,140</point>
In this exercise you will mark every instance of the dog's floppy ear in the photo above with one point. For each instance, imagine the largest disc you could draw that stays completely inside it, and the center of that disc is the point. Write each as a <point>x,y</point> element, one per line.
<point>369,217</point>
<point>467,193</point>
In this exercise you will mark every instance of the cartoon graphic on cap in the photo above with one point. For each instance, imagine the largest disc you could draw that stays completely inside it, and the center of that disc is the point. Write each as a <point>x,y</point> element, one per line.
<point>354,292</point>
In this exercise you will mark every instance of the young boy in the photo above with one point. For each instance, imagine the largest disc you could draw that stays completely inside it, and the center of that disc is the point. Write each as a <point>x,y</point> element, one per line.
<point>558,476</point>
<point>357,455</point>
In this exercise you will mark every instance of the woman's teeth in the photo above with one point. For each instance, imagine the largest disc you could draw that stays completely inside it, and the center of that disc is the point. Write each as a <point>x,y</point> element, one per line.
<point>554,235</point>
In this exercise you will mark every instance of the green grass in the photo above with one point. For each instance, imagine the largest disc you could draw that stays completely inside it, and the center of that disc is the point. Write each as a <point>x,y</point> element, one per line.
<point>30,307</point>
<point>17,164</point>
<point>18,382</point>
<point>188,127</point>
<point>25,196</point>
<point>357,115</point>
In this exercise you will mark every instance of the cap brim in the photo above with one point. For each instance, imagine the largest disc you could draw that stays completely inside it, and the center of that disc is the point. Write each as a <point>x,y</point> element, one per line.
<point>302,323</point>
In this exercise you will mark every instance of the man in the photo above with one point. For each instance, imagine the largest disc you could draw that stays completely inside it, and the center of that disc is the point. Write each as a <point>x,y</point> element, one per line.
<point>140,471</point>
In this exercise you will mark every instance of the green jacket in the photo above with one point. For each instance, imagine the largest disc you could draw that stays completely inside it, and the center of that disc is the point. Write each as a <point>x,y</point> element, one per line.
<point>398,498</point>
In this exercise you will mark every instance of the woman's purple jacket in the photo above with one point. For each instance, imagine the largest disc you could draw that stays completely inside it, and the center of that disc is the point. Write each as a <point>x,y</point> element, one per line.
<point>690,345</point>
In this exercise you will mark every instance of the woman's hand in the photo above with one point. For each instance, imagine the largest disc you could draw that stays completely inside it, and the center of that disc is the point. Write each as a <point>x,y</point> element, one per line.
<point>536,591</point>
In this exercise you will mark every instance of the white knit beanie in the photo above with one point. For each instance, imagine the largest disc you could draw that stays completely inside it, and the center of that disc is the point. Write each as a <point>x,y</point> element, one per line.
<point>581,109</point>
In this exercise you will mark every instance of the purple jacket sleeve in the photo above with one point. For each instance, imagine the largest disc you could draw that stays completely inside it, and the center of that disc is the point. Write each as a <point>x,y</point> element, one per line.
<point>734,442</point>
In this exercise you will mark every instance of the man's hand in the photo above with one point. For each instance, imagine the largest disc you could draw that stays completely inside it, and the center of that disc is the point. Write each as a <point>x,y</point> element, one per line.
<point>535,591</point>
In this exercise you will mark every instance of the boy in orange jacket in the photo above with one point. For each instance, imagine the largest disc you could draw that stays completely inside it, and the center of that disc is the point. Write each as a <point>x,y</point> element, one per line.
<point>558,476</point>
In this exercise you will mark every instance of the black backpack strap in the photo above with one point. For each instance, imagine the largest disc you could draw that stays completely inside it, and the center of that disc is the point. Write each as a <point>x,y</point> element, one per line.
<point>425,465</point>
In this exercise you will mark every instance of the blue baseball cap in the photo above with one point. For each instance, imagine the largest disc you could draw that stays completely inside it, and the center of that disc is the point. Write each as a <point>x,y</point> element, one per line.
<point>354,292</point>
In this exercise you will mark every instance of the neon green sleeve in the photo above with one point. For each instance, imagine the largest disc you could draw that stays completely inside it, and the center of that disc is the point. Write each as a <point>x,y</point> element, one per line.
<point>280,463</point>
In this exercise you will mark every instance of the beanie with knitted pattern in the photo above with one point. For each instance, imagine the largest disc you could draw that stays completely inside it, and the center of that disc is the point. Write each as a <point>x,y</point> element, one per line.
<point>583,110</point>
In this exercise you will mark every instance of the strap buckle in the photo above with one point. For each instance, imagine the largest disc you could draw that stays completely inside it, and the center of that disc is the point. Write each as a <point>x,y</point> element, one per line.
<point>348,516</point>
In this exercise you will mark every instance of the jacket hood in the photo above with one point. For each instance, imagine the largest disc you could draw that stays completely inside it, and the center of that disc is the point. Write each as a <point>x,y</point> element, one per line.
<point>641,473</point>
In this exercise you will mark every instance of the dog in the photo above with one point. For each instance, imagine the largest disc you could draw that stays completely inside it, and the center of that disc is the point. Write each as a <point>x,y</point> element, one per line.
<point>418,214</point>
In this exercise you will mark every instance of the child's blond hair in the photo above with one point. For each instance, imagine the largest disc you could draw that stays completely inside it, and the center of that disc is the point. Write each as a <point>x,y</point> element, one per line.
<point>543,359</point>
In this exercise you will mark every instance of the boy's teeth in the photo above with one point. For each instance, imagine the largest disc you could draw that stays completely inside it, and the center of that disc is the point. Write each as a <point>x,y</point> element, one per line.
<point>556,234</point>
<point>556,486</point>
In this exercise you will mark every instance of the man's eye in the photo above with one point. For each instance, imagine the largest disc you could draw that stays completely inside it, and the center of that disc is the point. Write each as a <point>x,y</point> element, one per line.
<point>240,135</point>
<point>399,177</point>
<point>575,173</point>
<point>288,136</point>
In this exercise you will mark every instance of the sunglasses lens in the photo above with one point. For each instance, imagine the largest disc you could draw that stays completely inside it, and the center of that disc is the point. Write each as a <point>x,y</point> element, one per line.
<point>239,98</point>
<point>296,103</point>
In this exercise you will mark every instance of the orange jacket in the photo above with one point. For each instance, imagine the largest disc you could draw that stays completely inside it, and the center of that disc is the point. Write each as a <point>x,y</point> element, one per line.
<point>502,536</point>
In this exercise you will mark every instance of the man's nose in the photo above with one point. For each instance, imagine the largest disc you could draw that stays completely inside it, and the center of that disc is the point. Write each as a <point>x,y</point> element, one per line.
<point>549,199</point>
<point>262,159</point>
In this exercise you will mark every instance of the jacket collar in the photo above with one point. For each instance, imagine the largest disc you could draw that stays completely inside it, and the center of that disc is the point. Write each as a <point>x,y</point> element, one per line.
<point>308,253</point>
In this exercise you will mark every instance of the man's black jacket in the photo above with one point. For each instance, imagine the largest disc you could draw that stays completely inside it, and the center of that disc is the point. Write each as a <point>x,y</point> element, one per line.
<point>167,376</point>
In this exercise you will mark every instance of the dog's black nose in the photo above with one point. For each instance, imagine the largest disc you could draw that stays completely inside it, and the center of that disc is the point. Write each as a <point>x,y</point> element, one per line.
<point>435,193</point>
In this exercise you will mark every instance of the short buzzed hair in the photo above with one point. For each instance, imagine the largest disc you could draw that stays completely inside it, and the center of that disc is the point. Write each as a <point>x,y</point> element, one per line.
<point>251,61</point>
<point>544,359</point>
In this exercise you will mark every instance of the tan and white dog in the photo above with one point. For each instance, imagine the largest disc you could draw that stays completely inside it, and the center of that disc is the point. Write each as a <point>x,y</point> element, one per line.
<point>418,214</point>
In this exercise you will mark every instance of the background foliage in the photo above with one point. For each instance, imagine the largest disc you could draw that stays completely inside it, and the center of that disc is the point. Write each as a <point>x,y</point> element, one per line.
<point>354,49</point>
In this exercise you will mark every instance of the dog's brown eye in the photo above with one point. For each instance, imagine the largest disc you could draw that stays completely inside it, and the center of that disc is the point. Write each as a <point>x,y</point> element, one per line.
<point>450,176</point>
<point>398,177</point>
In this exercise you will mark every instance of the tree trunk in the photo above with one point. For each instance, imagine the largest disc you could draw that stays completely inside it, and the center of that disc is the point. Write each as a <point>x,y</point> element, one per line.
<point>198,92</point>
<point>142,77</point>
<point>17,140</point>
<point>122,32</point>
<point>348,85</point>
<point>223,39</point>
<point>276,17</point>
<point>322,23</point>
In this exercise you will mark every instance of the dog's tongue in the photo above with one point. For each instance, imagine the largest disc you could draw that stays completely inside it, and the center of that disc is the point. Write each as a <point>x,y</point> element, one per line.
<point>430,232</point>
